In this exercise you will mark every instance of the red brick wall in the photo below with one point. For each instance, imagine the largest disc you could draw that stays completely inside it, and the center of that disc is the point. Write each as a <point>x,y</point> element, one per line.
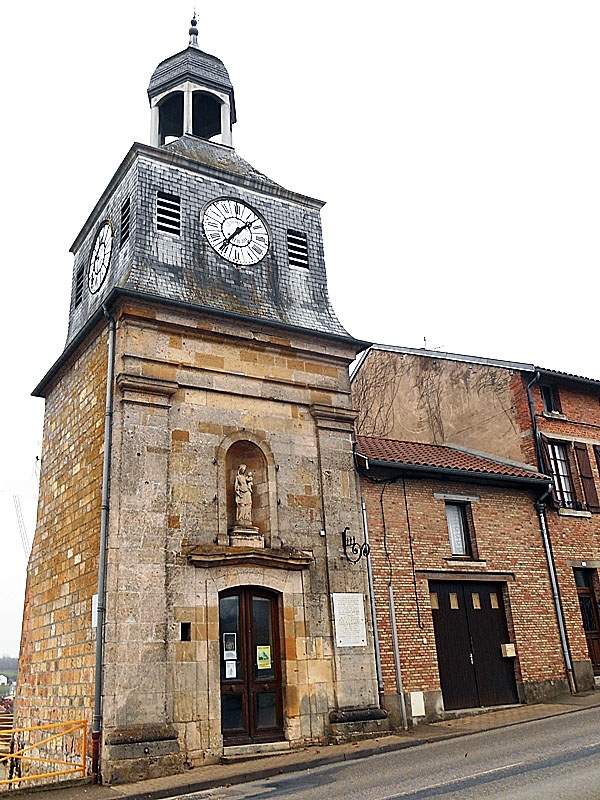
<point>575,537</point>
<point>508,539</point>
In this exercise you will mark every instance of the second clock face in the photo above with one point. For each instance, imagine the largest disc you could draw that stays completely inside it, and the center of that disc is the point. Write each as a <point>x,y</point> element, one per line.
<point>100,257</point>
<point>235,231</point>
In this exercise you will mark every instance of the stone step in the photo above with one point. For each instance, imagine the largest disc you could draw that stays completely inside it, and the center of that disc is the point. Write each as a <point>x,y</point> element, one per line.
<point>246,752</point>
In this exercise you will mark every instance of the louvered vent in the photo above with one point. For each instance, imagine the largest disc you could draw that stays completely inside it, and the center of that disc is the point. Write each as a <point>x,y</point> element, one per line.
<point>125,218</point>
<point>168,213</point>
<point>297,249</point>
<point>79,280</point>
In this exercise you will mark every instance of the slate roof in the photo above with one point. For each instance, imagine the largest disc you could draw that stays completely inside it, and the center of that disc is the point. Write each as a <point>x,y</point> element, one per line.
<point>215,156</point>
<point>190,63</point>
<point>437,457</point>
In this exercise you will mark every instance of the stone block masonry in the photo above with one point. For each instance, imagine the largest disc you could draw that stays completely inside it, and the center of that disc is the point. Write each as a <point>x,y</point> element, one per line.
<point>56,669</point>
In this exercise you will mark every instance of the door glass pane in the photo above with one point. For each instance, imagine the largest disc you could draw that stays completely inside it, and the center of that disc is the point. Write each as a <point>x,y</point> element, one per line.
<point>266,710</point>
<point>476,600</point>
<point>583,578</point>
<point>232,716</point>
<point>434,600</point>
<point>264,668</point>
<point>587,613</point>
<point>229,622</point>
<point>453,600</point>
<point>493,600</point>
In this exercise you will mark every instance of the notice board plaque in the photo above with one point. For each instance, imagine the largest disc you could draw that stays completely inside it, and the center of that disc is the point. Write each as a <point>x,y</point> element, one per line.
<point>349,616</point>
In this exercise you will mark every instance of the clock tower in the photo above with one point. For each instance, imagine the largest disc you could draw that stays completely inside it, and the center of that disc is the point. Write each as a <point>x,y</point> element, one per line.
<point>188,591</point>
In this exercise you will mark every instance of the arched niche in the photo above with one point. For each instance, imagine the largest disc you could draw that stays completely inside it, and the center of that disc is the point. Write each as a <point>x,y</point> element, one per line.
<point>245,448</point>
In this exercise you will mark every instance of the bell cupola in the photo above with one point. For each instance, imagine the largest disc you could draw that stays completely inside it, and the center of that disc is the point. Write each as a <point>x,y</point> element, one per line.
<point>190,93</point>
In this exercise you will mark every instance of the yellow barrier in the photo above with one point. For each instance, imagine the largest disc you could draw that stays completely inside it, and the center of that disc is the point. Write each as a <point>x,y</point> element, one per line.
<point>21,753</point>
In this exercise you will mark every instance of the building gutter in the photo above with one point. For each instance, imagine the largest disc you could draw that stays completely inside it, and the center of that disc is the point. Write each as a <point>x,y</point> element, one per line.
<point>108,415</point>
<point>534,427</point>
<point>373,610</point>
<point>392,607</point>
<point>396,646</point>
<point>425,469</point>
<point>540,507</point>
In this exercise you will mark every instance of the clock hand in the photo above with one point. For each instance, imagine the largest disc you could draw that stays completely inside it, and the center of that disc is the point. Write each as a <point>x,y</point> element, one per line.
<point>237,231</point>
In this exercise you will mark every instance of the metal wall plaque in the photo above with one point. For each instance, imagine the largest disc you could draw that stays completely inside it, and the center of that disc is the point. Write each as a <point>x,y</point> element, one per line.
<point>349,616</point>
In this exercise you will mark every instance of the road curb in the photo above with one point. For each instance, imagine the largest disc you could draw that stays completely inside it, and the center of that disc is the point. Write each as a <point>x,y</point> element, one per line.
<point>265,768</point>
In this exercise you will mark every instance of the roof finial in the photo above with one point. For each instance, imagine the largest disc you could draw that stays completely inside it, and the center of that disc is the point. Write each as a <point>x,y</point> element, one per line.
<point>194,31</point>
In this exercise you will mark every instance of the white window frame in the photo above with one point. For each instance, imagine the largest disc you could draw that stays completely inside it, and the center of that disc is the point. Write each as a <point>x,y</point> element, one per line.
<point>458,528</point>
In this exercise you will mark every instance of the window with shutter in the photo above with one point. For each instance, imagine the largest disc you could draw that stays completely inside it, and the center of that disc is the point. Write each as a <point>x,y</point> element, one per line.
<point>297,249</point>
<point>125,220</point>
<point>557,457</point>
<point>597,454</point>
<point>168,213</point>
<point>587,478</point>
<point>79,283</point>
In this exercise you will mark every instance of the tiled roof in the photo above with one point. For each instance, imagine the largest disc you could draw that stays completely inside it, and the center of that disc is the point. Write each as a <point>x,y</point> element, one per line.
<point>440,457</point>
<point>566,376</point>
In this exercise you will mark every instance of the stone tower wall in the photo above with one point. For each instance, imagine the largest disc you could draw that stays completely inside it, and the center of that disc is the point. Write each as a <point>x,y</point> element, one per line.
<point>56,666</point>
<point>190,389</point>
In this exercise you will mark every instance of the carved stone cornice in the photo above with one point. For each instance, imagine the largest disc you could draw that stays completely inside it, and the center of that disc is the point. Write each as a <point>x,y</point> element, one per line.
<point>217,556</point>
<point>146,391</point>
<point>333,417</point>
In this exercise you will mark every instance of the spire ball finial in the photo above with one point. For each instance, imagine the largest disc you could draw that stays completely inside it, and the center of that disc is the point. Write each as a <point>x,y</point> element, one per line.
<point>194,31</point>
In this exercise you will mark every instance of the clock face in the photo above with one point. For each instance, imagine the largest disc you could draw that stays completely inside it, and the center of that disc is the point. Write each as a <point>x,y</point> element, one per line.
<point>235,231</point>
<point>100,257</point>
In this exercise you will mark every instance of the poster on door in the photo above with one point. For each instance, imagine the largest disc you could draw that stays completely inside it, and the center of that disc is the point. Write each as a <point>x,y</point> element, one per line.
<point>230,646</point>
<point>263,657</point>
<point>230,669</point>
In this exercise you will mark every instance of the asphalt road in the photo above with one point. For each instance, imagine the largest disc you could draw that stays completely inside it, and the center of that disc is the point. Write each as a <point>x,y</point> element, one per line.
<point>550,759</point>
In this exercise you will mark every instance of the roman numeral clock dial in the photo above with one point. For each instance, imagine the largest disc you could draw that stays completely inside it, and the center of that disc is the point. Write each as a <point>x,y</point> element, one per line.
<point>100,256</point>
<point>235,231</point>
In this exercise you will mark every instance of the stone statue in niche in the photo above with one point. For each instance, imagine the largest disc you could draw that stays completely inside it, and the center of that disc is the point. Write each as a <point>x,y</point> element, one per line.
<point>243,533</point>
<point>243,497</point>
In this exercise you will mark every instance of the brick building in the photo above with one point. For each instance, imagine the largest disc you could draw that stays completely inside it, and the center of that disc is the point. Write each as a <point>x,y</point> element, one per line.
<point>459,563</point>
<point>518,412</point>
<point>187,586</point>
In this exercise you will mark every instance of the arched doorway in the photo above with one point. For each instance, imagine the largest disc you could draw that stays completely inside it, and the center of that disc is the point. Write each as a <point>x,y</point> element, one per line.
<point>251,694</point>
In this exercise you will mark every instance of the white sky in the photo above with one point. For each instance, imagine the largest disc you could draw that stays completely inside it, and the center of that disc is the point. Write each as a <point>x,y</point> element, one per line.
<point>456,144</point>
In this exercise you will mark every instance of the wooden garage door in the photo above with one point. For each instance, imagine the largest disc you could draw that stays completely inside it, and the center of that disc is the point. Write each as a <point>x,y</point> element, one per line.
<point>470,627</point>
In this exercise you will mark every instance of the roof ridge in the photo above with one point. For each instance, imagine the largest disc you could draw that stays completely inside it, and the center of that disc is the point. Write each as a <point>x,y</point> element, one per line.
<point>509,462</point>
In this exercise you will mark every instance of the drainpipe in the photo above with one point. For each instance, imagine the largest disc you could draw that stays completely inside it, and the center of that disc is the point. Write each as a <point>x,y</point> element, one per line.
<point>373,610</point>
<point>399,686</point>
<point>540,507</point>
<point>534,427</point>
<point>97,718</point>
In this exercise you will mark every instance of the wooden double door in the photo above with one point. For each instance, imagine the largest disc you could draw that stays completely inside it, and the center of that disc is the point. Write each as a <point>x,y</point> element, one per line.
<point>470,628</point>
<point>251,692</point>
<point>590,614</point>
